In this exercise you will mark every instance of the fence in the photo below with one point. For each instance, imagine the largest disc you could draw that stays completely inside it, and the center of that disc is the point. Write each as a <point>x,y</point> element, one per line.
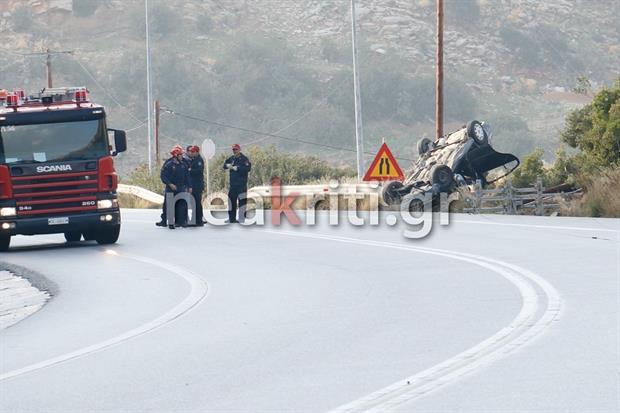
<point>510,200</point>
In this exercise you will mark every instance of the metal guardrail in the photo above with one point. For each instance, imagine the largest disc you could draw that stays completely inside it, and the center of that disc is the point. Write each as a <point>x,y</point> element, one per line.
<point>141,193</point>
<point>511,200</point>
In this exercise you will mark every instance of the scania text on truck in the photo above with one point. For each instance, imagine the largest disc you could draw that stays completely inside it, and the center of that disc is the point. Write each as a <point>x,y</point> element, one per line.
<point>56,167</point>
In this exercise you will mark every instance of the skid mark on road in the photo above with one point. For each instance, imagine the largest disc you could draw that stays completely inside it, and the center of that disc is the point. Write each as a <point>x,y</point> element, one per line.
<point>532,320</point>
<point>199,289</point>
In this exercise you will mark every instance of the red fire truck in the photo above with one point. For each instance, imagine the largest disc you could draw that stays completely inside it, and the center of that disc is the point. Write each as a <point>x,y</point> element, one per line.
<point>56,167</point>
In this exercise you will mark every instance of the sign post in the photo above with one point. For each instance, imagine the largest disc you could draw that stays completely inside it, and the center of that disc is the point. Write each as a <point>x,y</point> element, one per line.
<point>208,150</point>
<point>384,167</point>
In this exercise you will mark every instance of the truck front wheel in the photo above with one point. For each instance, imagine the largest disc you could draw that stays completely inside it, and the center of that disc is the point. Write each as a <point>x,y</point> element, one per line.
<point>108,235</point>
<point>5,241</point>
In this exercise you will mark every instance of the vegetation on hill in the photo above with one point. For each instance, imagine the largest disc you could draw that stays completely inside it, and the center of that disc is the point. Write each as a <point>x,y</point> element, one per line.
<point>593,132</point>
<point>267,162</point>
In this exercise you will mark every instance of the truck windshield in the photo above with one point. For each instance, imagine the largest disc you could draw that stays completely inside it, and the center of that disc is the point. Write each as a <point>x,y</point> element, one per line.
<point>52,142</point>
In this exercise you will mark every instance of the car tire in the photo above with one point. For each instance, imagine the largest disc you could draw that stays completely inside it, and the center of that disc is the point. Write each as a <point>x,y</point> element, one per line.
<point>476,132</point>
<point>5,241</point>
<point>73,236</point>
<point>413,203</point>
<point>389,194</point>
<point>443,177</point>
<point>108,235</point>
<point>424,145</point>
<point>321,205</point>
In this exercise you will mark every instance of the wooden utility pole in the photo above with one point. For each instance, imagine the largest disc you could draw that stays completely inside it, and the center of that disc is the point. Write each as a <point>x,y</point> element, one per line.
<point>156,135</point>
<point>48,62</point>
<point>48,69</point>
<point>439,74</point>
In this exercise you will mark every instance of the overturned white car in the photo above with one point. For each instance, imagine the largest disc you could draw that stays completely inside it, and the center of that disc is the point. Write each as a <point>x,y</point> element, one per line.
<point>451,162</point>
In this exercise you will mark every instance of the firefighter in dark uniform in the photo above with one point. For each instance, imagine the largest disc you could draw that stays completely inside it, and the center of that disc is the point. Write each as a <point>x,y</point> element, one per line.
<point>197,175</point>
<point>175,175</point>
<point>239,166</point>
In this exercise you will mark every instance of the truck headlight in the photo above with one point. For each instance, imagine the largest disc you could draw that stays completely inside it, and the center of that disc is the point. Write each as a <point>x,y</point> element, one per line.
<point>8,212</point>
<point>107,203</point>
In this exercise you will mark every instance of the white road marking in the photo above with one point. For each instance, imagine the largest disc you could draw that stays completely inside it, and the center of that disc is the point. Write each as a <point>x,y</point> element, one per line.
<point>506,224</point>
<point>527,325</point>
<point>457,221</point>
<point>199,289</point>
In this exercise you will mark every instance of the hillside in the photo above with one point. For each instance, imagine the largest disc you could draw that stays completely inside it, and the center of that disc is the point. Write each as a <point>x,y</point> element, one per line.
<point>283,67</point>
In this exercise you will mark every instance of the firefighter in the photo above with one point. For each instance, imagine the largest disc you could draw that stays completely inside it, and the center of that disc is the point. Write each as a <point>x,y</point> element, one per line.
<point>197,175</point>
<point>239,166</point>
<point>175,175</point>
<point>186,157</point>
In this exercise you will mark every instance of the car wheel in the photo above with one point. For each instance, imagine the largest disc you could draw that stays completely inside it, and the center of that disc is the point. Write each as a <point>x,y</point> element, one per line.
<point>108,235</point>
<point>477,132</point>
<point>322,205</point>
<point>424,145</point>
<point>413,203</point>
<point>5,241</point>
<point>73,236</point>
<point>389,192</point>
<point>443,177</point>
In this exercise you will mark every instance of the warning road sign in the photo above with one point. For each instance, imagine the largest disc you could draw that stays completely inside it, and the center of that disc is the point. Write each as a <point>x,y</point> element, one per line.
<point>384,167</point>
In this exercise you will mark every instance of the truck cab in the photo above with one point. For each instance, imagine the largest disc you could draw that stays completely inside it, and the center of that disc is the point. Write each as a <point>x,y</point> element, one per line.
<point>56,167</point>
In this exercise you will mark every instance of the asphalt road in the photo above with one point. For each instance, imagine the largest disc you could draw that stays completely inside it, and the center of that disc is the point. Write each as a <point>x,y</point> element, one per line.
<point>490,313</point>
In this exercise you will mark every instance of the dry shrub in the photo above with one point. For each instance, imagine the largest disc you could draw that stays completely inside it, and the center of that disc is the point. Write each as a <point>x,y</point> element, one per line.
<point>132,201</point>
<point>601,196</point>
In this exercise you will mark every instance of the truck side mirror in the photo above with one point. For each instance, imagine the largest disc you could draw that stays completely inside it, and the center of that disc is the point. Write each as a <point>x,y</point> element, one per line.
<point>120,141</point>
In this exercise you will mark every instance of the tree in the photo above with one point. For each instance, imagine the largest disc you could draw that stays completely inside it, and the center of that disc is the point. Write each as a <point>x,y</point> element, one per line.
<point>583,85</point>
<point>595,130</point>
<point>530,169</point>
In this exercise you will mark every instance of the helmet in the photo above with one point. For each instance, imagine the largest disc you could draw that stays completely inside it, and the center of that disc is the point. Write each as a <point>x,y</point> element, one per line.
<point>193,148</point>
<point>176,150</point>
<point>236,146</point>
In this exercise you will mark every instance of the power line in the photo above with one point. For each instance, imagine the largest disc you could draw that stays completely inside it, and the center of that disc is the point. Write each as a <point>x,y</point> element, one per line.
<point>114,99</point>
<point>135,127</point>
<point>273,135</point>
<point>303,116</point>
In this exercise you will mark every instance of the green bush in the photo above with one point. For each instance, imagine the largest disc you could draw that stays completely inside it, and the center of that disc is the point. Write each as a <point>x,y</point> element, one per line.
<point>142,177</point>
<point>85,8</point>
<point>204,24</point>
<point>164,19</point>
<point>22,19</point>
<point>293,169</point>
<point>465,12</point>
<point>530,169</point>
<point>335,53</point>
<point>389,93</point>
<point>526,49</point>
<point>511,134</point>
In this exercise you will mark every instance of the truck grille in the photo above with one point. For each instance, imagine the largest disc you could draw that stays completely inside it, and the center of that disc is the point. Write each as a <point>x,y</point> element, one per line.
<point>55,193</point>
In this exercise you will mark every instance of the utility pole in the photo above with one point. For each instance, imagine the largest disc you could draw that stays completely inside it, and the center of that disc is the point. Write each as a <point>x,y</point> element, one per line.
<point>48,69</point>
<point>148,87</point>
<point>157,113</point>
<point>48,62</point>
<point>439,74</point>
<point>359,132</point>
